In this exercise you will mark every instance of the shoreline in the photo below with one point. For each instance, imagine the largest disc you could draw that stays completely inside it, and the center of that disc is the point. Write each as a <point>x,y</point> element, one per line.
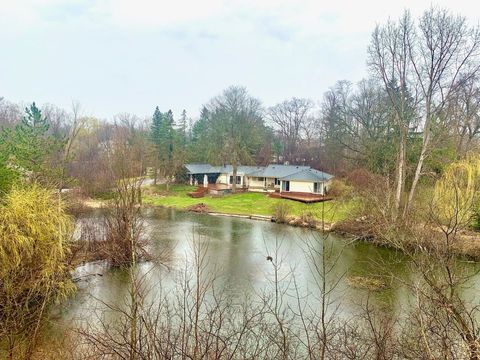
<point>468,251</point>
<point>292,221</point>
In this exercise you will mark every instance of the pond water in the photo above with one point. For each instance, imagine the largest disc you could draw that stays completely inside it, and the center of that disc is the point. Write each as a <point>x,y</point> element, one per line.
<point>236,253</point>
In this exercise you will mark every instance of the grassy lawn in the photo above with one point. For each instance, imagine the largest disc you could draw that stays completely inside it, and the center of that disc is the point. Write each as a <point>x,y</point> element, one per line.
<point>244,203</point>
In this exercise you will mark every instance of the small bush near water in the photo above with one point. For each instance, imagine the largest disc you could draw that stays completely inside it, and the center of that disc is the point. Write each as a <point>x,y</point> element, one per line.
<point>281,212</point>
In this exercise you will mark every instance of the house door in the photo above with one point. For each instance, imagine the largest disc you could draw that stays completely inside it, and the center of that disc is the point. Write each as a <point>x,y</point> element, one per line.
<point>285,185</point>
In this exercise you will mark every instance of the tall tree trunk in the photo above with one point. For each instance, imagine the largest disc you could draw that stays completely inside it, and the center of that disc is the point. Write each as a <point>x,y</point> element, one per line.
<point>400,175</point>
<point>234,180</point>
<point>418,172</point>
<point>421,160</point>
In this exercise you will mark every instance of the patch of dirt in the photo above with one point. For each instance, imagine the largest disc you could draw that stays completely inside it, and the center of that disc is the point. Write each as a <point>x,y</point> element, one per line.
<point>199,208</point>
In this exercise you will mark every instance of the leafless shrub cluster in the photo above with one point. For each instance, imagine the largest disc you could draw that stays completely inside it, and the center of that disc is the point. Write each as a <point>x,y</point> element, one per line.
<point>281,212</point>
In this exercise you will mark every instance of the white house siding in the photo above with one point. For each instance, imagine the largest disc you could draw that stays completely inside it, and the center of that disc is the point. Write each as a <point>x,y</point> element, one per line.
<point>308,187</point>
<point>223,179</point>
<point>254,182</point>
<point>270,183</point>
<point>301,186</point>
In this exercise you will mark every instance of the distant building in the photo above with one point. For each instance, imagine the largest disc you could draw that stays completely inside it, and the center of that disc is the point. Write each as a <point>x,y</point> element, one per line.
<point>272,178</point>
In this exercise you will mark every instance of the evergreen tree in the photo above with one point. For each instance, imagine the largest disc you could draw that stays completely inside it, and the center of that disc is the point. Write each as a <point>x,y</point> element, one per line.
<point>182,127</point>
<point>31,150</point>
<point>156,125</point>
<point>169,133</point>
<point>163,136</point>
<point>198,147</point>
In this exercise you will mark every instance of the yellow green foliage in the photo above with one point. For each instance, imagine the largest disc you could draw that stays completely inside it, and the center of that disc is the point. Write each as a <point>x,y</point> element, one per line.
<point>34,236</point>
<point>455,196</point>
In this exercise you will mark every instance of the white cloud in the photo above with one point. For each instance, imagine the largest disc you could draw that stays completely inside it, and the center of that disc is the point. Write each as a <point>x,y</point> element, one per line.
<point>308,17</point>
<point>154,13</point>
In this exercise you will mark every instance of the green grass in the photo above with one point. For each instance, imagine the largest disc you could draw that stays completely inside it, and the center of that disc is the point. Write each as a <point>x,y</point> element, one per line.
<point>249,203</point>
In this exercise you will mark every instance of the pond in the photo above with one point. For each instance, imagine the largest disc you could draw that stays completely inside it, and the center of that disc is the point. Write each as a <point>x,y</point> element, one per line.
<point>235,255</point>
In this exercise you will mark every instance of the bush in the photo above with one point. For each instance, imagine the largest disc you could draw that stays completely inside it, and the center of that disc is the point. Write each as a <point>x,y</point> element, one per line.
<point>307,218</point>
<point>476,220</point>
<point>338,188</point>
<point>363,180</point>
<point>281,212</point>
<point>34,241</point>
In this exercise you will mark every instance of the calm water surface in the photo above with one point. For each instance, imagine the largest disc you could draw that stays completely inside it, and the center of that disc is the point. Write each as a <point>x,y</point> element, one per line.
<point>235,255</point>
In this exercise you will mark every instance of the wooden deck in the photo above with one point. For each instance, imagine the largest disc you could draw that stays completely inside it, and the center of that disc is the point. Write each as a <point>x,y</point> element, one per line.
<point>306,198</point>
<point>198,193</point>
<point>218,187</point>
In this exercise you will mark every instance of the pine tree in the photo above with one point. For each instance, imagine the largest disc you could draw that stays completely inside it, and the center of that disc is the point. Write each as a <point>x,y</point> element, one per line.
<point>199,145</point>
<point>163,138</point>
<point>155,137</point>
<point>170,133</point>
<point>182,127</point>
<point>32,149</point>
<point>156,125</point>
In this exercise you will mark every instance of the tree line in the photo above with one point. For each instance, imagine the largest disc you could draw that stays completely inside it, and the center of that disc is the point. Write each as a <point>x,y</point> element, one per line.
<point>416,112</point>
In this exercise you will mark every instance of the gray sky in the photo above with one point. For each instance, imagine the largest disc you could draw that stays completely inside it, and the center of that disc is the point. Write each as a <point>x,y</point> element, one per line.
<point>118,56</point>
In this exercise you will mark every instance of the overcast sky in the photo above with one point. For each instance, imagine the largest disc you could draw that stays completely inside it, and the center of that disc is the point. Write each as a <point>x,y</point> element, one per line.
<point>118,56</point>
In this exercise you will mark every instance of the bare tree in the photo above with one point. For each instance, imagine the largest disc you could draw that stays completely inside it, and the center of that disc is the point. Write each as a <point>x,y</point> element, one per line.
<point>445,54</point>
<point>389,59</point>
<point>10,113</point>
<point>464,111</point>
<point>290,118</point>
<point>422,67</point>
<point>75,126</point>
<point>236,126</point>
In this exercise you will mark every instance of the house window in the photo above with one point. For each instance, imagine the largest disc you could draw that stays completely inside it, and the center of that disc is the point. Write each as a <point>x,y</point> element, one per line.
<point>277,181</point>
<point>317,187</point>
<point>239,180</point>
<point>260,179</point>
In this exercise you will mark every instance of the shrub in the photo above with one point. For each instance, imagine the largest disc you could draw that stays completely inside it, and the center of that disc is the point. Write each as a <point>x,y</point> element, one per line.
<point>455,198</point>
<point>281,212</point>
<point>476,220</point>
<point>339,188</point>
<point>34,241</point>
<point>307,218</point>
<point>363,180</point>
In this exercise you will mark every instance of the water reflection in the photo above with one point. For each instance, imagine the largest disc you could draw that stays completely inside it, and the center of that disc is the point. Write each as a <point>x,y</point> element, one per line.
<point>236,256</point>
